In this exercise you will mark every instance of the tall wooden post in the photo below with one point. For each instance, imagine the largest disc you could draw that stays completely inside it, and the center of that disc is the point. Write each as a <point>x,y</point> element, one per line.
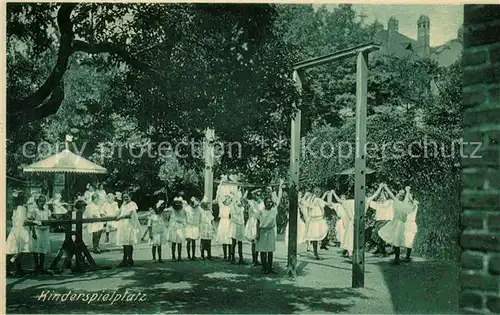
<point>358,256</point>
<point>294,184</point>
<point>209,163</point>
<point>79,261</point>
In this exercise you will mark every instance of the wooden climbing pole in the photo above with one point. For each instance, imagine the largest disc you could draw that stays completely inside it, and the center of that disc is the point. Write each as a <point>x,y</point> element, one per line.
<point>358,254</point>
<point>209,164</point>
<point>294,183</point>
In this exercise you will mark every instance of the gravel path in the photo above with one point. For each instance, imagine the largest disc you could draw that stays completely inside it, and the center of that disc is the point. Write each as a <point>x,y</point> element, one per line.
<point>219,287</point>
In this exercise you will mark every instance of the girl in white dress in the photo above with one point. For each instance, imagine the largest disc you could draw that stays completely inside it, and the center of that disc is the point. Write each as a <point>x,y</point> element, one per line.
<point>157,230</point>
<point>237,227</point>
<point>177,226</point>
<point>41,244</point>
<point>255,205</point>
<point>93,210</point>
<point>206,230</point>
<point>31,202</point>
<point>89,193</point>
<point>384,213</point>
<point>128,229</point>
<point>18,241</point>
<point>119,199</point>
<point>224,199</point>
<point>101,193</point>
<point>411,229</point>
<point>349,207</point>
<point>110,209</point>
<point>393,233</point>
<point>223,235</point>
<point>317,228</point>
<point>193,217</point>
<point>59,210</point>
<point>340,228</point>
<point>266,235</point>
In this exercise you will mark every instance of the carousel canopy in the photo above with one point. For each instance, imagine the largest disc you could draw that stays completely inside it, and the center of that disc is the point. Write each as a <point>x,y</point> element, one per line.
<point>65,162</point>
<point>352,171</point>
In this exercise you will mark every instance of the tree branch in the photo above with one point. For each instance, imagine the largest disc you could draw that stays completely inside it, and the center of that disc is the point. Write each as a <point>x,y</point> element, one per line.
<point>48,108</point>
<point>36,106</point>
<point>28,109</point>
<point>111,48</point>
<point>66,29</point>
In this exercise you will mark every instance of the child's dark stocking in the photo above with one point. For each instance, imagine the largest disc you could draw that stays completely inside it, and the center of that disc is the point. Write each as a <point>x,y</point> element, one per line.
<point>382,249</point>
<point>202,249</point>
<point>397,252</point>
<point>240,252</point>
<point>193,249</point>
<point>408,254</point>
<point>263,259</point>
<point>95,241</point>
<point>130,255</point>
<point>232,251</point>
<point>255,255</point>
<point>189,248</point>
<point>315,249</point>
<point>209,249</point>
<point>224,249</point>
<point>173,251</point>
<point>324,243</point>
<point>124,260</point>
<point>158,248</point>
<point>179,251</point>
<point>153,251</point>
<point>270,262</point>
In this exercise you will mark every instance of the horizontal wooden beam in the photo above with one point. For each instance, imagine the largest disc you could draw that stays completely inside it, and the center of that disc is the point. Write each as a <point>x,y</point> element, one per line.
<point>73,221</point>
<point>340,54</point>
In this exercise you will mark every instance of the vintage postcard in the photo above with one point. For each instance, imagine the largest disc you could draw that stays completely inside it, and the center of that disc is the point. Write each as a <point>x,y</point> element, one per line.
<point>262,158</point>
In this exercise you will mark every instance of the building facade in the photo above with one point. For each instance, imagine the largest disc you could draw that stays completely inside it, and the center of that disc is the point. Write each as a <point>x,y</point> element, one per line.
<point>395,43</point>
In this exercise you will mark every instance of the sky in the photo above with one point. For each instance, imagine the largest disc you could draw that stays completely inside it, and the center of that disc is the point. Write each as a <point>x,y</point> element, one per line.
<point>445,19</point>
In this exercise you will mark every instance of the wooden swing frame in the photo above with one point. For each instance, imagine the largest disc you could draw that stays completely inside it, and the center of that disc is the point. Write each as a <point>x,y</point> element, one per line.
<point>358,258</point>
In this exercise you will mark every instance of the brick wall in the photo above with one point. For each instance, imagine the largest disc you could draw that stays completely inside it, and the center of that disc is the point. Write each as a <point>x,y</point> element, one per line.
<point>480,199</point>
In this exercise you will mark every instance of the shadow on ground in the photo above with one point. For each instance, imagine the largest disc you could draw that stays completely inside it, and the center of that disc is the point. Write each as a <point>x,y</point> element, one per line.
<point>187,287</point>
<point>422,287</point>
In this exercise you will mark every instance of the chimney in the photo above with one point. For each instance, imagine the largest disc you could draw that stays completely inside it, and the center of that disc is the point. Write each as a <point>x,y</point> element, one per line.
<point>423,41</point>
<point>393,25</point>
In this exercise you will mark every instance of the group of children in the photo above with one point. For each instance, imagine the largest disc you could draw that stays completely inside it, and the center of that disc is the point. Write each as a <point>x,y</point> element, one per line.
<point>395,220</point>
<point>27,235</point>
<point>192,220</point>
<point>99,204</point>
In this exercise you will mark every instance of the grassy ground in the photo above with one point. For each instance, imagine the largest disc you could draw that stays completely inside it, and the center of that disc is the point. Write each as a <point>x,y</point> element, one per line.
<point>219,287</point>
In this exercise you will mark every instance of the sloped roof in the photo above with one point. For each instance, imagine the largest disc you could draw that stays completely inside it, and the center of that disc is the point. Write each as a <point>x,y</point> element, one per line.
<point>396,44</point>
<point>65,162</point>
<point>401,45</point>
